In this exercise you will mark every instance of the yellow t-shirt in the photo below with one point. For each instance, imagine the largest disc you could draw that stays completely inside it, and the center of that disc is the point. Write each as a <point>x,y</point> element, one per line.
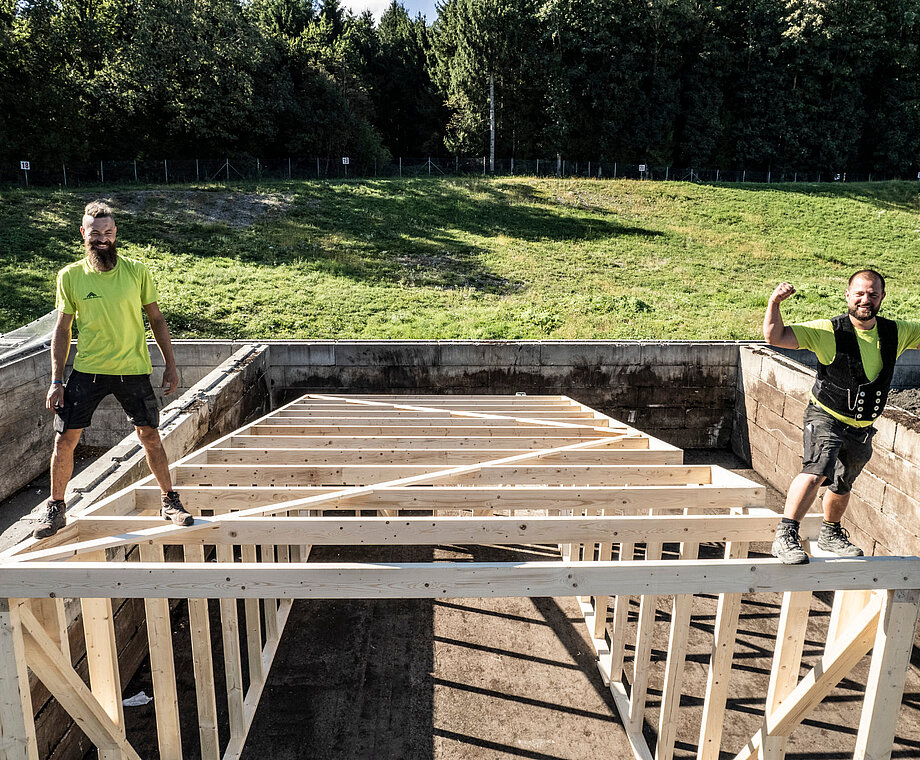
<point>109,317</point>
<point>818,337</point>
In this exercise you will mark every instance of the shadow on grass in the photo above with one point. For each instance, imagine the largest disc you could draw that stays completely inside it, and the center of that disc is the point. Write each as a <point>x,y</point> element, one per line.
<point>895,195</point>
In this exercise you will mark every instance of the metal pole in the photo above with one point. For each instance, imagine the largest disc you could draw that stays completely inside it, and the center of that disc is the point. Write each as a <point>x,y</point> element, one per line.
<point>197,173</point>
<point>166,171</point>
<point>135,170</point>
<point>667,171</point>
<point>483,166</point>
<point>26,173</point>
<point>614,169</point>
<point>64,167</point>
<point>589,168</point>
<point>538,167</point>
<point>743,174</point>
<point>768,176</point>
<point>289,167</point>
<point>400,166</point>
<point>227,167</point>
<point>492,123</point>
<point>101,173</point>
<point>429,166</point>
<point>258,168</point>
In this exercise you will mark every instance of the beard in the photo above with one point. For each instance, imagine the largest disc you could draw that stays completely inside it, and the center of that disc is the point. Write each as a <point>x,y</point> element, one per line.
<point>101,256</point>
<point>862,313</point>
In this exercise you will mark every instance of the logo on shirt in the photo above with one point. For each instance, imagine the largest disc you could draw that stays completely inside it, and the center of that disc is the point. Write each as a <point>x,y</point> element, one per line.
<point>90,295</point>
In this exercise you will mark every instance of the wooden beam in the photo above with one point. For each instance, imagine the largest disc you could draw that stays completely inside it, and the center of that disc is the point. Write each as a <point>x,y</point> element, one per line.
<point>233,667</point>
<point>891,653</point>
<point>50,612</point>
<point>423,531</point>
<point>203,666</point>
<point>648,607</point>
<point>437,580</point>
<point>720,665</point>
<point>162,664</point>
<point>102,660</point>
<point>62,681</point>
<point>253,624</point>
<point>17,727</point>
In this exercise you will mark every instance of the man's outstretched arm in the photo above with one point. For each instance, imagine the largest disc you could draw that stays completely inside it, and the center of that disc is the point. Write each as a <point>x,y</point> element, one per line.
<point>775,331</point>
<point>161,336</point>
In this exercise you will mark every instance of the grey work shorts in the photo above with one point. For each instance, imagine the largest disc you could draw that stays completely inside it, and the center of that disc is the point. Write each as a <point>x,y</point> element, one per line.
<point>834,449</point>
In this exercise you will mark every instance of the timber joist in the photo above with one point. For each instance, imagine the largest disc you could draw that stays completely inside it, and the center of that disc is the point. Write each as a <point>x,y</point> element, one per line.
<point>628,519</point>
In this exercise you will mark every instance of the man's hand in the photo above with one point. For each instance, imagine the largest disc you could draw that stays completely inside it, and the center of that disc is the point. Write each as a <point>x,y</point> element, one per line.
<point>782,292</point>
<point>170,380</point>
<point>55,399</point>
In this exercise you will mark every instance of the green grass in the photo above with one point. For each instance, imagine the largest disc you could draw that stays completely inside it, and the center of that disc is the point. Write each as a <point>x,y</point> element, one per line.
<point>477,258</point>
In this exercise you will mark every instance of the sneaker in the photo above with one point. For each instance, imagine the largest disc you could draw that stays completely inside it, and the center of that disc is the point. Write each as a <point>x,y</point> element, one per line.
<point>172,509</point>
<point>51,520</point>
<point>787,546</point>
<point>836,540</point>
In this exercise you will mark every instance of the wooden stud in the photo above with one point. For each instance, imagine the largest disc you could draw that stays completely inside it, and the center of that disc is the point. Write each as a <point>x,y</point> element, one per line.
<point>643,650</point>
<point>253,625</point>
<point>203,665</point>
<point>17,728</point>
<point>162,665</point>
<point>891,653</point>
<point>233,667</point>
<point>51,614</point>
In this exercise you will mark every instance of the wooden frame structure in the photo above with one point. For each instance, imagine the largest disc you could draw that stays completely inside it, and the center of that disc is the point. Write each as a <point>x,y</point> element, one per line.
<point>439,470</point>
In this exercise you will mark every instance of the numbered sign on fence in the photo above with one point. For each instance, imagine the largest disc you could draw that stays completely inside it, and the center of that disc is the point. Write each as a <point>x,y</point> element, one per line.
<point>345,160</point>
<point>641,167</point>
<point>24,165</point>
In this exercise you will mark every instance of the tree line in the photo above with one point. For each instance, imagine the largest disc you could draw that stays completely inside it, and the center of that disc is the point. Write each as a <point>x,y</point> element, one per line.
<point>829,85</point>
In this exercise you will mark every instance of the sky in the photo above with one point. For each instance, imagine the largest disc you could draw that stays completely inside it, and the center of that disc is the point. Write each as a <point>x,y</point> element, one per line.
<point>414,7</point>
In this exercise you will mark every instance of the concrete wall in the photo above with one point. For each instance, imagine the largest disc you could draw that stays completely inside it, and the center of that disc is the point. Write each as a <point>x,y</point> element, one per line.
<point>680,391</point>
<point>884,515</point>
<point>26,427</point>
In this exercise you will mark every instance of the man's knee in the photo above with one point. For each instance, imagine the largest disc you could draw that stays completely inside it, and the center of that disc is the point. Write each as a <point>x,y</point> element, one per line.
<point>66,442</point>
<point>811,479</point>
<point>149,436</point>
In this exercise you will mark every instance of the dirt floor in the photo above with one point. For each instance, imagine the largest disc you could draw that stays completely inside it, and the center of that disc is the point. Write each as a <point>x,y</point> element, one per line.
<point>483,679</point>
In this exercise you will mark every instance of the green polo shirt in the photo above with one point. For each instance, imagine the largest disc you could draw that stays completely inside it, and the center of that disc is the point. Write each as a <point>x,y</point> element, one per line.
<point>109,316</point>
<point>818,337</point>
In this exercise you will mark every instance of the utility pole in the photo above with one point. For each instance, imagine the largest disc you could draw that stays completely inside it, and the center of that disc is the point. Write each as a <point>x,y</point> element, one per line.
<point>491,123</point>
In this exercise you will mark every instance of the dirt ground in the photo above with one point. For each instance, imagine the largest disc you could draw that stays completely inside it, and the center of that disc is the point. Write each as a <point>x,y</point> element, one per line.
<point>907,399</point>
<point>483,679</point>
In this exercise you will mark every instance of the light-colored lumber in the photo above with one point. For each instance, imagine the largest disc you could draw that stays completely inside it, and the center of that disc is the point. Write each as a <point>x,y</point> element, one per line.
<point>62,681</point>
<point>642,653</point>
<point>203,666</point>
<point>233,666</point>
<point>17,730</point>
<point>253,624</point>
<point>49,611</point>
<point>618,627</point>
<point>846,605</point>
<point>720,665</point>
<point>891,653</point>
<point>162,664</point>
<point>102,660</point>
<point>444,580</point>
<point>270,606</point>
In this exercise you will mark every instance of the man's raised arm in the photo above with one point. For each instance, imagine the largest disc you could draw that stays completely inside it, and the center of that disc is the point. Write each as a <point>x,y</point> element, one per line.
<point>775,332</point>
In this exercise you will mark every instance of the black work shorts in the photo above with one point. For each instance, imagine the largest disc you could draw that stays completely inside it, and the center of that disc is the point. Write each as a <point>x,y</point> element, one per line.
<point>84,391</point>
<point>834,449</point>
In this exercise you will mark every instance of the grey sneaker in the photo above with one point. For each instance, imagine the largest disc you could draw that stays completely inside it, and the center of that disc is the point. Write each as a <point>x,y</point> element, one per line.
<point>172,509</point>
<point>835,539</point>
<point>787,546</point>
<point>51,520</point>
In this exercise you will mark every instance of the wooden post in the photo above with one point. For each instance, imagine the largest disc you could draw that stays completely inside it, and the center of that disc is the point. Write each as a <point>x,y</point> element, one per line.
<point>847,604</point>
<point>647,609</point>
<point>203,664</point>
<point>885,687</point>
<point>17,727</point>
<point>102,658</point>
<point>253,625</point>
<point>162,665</point>
<point>233,667</point>
<point>53,617</point>
<point>720,665</point>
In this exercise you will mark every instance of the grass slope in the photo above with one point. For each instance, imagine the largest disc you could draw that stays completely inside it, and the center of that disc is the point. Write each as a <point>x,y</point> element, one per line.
<point>477,258</point>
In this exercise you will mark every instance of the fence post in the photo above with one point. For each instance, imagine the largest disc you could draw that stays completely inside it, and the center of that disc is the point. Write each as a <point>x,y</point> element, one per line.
<point>768,176</point>
<point>166,171</point>
<point>614,169</point>
<point>512,166</point>
<point>197,173</point>
<point>717,175</point>
<point>375,167</point>
<point>483,166</point>
<point>289,166</point>
<point>227,167</point>
<point>102,174</point>
<point>667,172</point>
<point>64,168</point>
<point>589,168</point>
<point>400,166</point>
<point>135,170</point>
<point>429,166</point>
<point>743,174</point>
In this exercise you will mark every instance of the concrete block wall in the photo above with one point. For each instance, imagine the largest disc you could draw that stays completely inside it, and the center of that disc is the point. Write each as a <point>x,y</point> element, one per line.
<point>884,513</point>
<point>26,431</point>
<point>680,391</point>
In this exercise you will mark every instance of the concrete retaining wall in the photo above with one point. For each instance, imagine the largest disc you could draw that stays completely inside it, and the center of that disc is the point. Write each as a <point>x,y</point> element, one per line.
<point>26,427</point>
<point>680,391</point>
<point>884,515</point>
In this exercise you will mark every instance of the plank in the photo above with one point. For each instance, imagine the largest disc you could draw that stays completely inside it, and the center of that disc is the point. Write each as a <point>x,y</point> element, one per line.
<point>162,664</point>
<point>891,652</point>
<point>233,667</point>
<point>62,681</point>
<point>438,580</point>
<point>51,614</point>
<point>203,666</point>
<point>643,650</point>
<point>17,728</point>
<point>253,625</point>
<point>720,665</point>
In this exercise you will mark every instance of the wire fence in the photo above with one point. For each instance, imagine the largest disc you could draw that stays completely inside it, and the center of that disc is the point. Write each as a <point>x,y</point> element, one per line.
<point>185,171</point>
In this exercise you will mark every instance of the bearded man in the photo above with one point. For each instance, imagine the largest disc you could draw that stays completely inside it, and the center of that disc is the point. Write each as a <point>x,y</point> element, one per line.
<point>856,354</point>
<point>106,294</point>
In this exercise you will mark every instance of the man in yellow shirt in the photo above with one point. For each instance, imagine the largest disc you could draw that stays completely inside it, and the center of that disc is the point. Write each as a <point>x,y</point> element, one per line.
<point>856,354</point>
<point>105,293</point>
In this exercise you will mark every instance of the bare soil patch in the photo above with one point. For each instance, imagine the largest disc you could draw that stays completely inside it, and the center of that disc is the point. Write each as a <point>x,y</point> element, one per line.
<point>234,208</point>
